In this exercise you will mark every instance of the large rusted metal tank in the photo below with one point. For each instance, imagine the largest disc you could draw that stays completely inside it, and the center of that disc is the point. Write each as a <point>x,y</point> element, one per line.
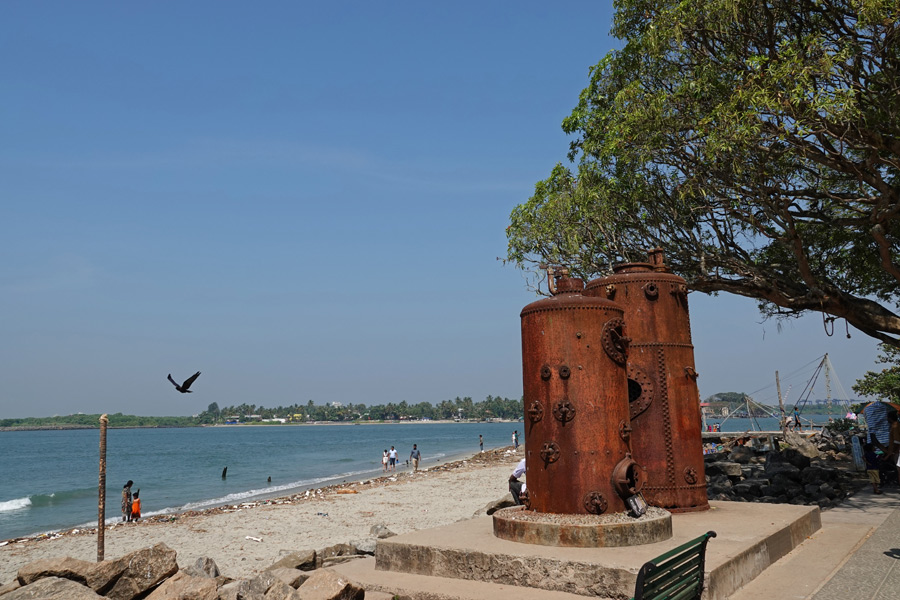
<point>574,353</point>
<point>662,381</point>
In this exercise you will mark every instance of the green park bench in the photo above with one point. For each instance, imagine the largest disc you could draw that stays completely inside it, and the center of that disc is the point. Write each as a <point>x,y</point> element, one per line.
<point>675,575</point>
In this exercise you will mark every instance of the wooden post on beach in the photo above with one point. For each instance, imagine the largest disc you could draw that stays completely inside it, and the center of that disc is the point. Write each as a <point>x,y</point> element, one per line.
<point>101,504</point>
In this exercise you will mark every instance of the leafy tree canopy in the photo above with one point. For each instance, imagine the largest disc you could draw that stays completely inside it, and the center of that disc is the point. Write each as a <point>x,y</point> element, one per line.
<point>884,383</point>
<point>731,397</point>
<point>756,141</point>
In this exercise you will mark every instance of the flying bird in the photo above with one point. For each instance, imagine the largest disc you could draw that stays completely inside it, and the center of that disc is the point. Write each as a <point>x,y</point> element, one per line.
<point>183,388</point>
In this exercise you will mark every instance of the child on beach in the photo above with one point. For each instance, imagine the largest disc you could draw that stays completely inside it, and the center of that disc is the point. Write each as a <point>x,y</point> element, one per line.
<point>872,469</point>
<point>136,506</point>
<point>384,460</point>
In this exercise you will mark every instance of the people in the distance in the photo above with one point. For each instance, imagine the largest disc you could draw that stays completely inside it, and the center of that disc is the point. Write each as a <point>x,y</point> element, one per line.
<point>414,456</point>
<point>126,501</point>
<point>136,505</point>
<point>392,459</point>
<point>894,441</point>
<point>872,467</point>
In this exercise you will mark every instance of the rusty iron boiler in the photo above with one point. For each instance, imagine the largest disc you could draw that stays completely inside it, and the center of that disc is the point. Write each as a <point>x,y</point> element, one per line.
<point>662,381</point>
<point>574,353</point>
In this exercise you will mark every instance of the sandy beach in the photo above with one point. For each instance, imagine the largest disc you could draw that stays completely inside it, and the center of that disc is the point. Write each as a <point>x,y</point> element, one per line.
<point>403,502</point>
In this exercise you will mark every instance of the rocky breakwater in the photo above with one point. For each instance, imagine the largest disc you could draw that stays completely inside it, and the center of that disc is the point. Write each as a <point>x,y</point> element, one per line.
<point>817,472</point>
<point>153,574</point>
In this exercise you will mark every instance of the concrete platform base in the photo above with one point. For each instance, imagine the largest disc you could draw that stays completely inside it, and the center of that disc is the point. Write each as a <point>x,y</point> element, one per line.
<point>750,537</point>
<point>582,531</point>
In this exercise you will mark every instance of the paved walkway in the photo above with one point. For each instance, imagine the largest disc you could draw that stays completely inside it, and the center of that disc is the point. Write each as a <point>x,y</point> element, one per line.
<point>845,560</point>
<point>873,571</point>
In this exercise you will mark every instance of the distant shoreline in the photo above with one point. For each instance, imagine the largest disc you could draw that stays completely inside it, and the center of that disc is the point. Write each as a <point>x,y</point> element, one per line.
<point>313,424</point>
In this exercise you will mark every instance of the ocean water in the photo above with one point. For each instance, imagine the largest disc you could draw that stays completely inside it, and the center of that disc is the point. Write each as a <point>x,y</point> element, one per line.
<point>767,423</point>
<point>48,479</point>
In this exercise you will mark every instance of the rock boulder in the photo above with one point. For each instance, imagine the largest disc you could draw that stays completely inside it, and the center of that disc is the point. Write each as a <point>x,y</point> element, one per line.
<point>133,574</point>
<point>304,560</point>
<point>328,585</point>
<point>65,567</point>
<point>182,586</point>
<point>53,588</point>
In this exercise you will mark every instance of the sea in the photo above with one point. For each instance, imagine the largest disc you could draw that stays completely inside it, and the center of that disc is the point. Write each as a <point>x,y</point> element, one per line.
<point>49,478</point>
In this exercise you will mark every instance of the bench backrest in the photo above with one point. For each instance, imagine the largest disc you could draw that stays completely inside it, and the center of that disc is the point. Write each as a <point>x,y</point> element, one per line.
<point>675,575</point>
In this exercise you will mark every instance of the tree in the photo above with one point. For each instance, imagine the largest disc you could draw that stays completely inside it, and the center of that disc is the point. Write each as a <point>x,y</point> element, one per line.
<point>885,383</point>
<point>756,141</point>
<point>213,410</point>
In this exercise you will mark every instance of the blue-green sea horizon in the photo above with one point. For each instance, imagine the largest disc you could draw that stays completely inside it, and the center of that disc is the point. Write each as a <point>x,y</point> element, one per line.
<point>50,477</point>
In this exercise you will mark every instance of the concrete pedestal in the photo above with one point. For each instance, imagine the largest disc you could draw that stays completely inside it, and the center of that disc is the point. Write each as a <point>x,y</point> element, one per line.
<point>582,531</point>
<point>750,537</point>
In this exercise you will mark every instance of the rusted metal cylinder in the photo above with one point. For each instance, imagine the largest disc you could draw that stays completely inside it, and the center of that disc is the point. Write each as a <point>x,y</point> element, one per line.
<point>574,353</point>
<point>662,381</point>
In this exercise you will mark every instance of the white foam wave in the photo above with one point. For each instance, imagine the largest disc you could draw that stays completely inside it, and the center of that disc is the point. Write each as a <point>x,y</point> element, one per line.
<point>267,492</point>
<point>17,504</point>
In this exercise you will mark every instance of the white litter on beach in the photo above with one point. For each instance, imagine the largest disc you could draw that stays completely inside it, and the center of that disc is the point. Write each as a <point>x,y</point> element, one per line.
<point>255,539</point>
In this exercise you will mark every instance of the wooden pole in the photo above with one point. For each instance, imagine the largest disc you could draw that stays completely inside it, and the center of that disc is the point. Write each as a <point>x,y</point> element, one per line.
<point>101,488</point>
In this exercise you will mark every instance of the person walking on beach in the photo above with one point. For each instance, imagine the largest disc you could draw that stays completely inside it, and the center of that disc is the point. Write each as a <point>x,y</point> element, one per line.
<point>515,439</point>
<point>392,459</point>
<point>414,456</point>
<point>126,501</point>
<point>797,424</point>
<point>384,460</point>
<point>480,443</point>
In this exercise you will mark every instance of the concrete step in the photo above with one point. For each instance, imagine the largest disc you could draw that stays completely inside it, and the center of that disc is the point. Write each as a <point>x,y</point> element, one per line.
<point>424,587</point>
<point>803,571</point>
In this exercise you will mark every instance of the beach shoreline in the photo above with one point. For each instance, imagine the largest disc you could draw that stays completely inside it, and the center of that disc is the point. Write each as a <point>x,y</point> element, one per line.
<point>327,482</point>
<point>342,512</point>
<point>253,424</point>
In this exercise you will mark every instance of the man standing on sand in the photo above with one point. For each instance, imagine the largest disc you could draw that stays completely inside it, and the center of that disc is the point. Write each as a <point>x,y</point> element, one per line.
<point>414,456</point>
<point>480,443</point>
<point>392,459</point>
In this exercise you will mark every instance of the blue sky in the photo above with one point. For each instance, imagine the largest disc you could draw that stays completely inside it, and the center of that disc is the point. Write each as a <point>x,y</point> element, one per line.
<point>301,200</point>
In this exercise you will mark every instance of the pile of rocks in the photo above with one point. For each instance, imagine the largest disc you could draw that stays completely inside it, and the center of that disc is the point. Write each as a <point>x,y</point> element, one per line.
<point>793,475</point>
<point>153,574</point>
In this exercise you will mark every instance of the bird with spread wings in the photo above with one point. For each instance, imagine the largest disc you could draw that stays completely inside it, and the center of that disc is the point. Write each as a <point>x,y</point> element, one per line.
<point>183,388</point>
